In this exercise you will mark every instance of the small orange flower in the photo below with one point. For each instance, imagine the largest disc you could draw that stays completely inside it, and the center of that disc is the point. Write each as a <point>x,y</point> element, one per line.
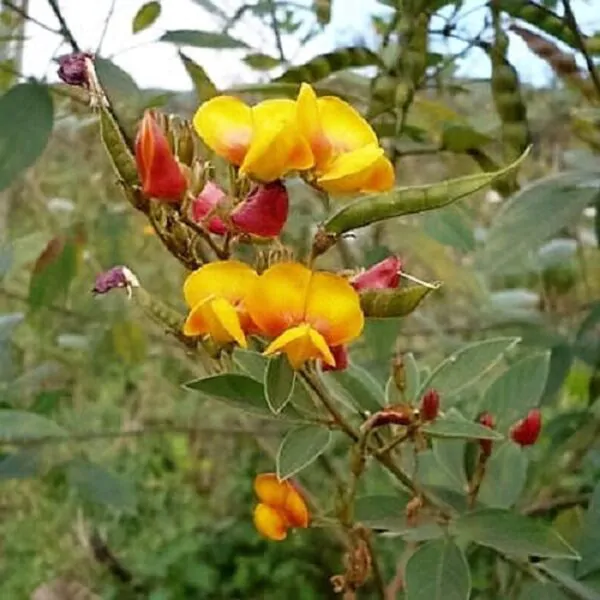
<point>215,294</point>
<point>263,140</point>
<point>158,168</point>
<point>348,158</point>
<point>307,312</point>
<point>281,507</point>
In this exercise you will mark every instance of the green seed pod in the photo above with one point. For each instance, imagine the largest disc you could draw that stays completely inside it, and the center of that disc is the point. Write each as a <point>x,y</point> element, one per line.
<point>547,21</point>
<point>508,100</point>
<point>400,302</point>
<point>121,157</point>
<point>326,64</point>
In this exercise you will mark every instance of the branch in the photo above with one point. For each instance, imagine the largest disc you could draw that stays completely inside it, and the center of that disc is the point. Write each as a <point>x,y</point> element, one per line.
<point>275,25</point>
<point>109,15</point>
<point>64,28</point>
<point>25,15</point>
<point>572,24</point>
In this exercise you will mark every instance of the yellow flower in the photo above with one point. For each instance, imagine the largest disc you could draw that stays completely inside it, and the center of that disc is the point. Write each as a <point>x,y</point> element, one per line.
<point>215,294</point>
<point>348,158</point>
<point>281,507</point>
<point>264,140</point>
<point>307,312</point>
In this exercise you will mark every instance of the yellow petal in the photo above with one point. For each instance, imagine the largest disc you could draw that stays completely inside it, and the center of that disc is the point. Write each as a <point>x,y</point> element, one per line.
<point>229,279</point>
<point>269,522</point>
<point>333,309</point>
<point>301,343</point>
<point>217,318</point>
<point>362,170</point>
<point>225,125</point>
<point>295,510</point>
<point>277,145</point>
<point>343,125</point>
<point>309,123</point>
<point>277,299</point>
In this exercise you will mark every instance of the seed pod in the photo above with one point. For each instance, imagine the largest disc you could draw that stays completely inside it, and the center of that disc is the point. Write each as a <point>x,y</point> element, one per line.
<point>391,303</point>
<point>118,149</point>
<point>547,21</point>
<point>562,63</point>
<point>508,100</point>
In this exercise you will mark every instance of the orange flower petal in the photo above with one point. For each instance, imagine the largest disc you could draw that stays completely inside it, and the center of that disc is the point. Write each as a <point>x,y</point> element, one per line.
<point>309,123</point>
<point>333,309</point>
<point>270,490</point>
<point>227,279</point>
<point>300,344</point>
<point>295,509</point>
<point>277,145</point>
<point>343,125</point>
<point>276,300</point>
<point>225,125</point>
<point>270,523</point>
<point>362,170</point>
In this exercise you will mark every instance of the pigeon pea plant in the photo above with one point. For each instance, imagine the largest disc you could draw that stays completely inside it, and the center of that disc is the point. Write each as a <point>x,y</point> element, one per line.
<point>270,329</point>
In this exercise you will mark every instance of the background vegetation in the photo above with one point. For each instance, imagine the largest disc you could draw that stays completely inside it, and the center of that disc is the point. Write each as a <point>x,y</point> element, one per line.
<point>117,483</point>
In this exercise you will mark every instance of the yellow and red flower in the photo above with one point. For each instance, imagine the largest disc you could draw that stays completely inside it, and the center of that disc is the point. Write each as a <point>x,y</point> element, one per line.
<point>263,140</point>
<point>281,507</point>
<point>348,158</point>
<point>306,312</point>
<point>159,170</point>
<point>215,295</point>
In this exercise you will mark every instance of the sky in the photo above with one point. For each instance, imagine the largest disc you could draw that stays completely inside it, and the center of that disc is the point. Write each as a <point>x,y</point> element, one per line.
<point>155,64</point>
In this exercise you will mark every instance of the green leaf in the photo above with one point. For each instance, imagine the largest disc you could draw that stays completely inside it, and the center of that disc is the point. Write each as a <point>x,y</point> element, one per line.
<point>534,214</point>
<point>438,570</point>
<point>454,425</point>
<point>119,84</point>
<point>449,227</point>
<point>205,88</point>
<point>561,359</point>
<point>279,383</point>
<point>324,65</point>
<point>408,200</point>
<point>380,511</point>
<point>450,457</point>
<point>250,362</point>
<point>21,464</point>
<point>461,137</point>
<point>261,62</point>
<point>513,534</point>
<point>589,545</point>
<point>212,7</point>
<point>146,16</point>
<point>518,389</point>
<point>236,390</point>
<point>467,365</point>
<point>505,476</point>
<point>547,591</point>
<point>587,341</point>
<point>390,303</point>
<point>53,272</point>
<point>359,387</point>
<point>299,448</point>
<point>202,39</point>
<point>98,485</point>
<point>26,121</point>
<point>568,583</point>
<point>17,425</point>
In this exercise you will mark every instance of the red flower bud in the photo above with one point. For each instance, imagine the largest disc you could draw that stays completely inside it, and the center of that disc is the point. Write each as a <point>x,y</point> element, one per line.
<point>394,415</point>
<point>385,274</point>
<point>159,171</point>
<point>340,354</point>
<point>487,420</point>
<point>72,68</point>
<point>526,431</point>
<point>264,211</point>
<point>207,200</point>
<point>430,405</point>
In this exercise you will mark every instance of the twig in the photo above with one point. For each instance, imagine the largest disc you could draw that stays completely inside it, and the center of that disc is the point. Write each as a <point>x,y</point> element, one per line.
<point>64,28</point>
<point>19,11</point>
<point>275,26</point>
<point>558,503</point>
<point>572,23</point>
<point>375,568</point>
<point>109,15</point>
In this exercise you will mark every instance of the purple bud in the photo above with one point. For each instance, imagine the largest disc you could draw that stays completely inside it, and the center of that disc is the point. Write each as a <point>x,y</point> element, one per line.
<point>117,277</point>
<point>72,68</point>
